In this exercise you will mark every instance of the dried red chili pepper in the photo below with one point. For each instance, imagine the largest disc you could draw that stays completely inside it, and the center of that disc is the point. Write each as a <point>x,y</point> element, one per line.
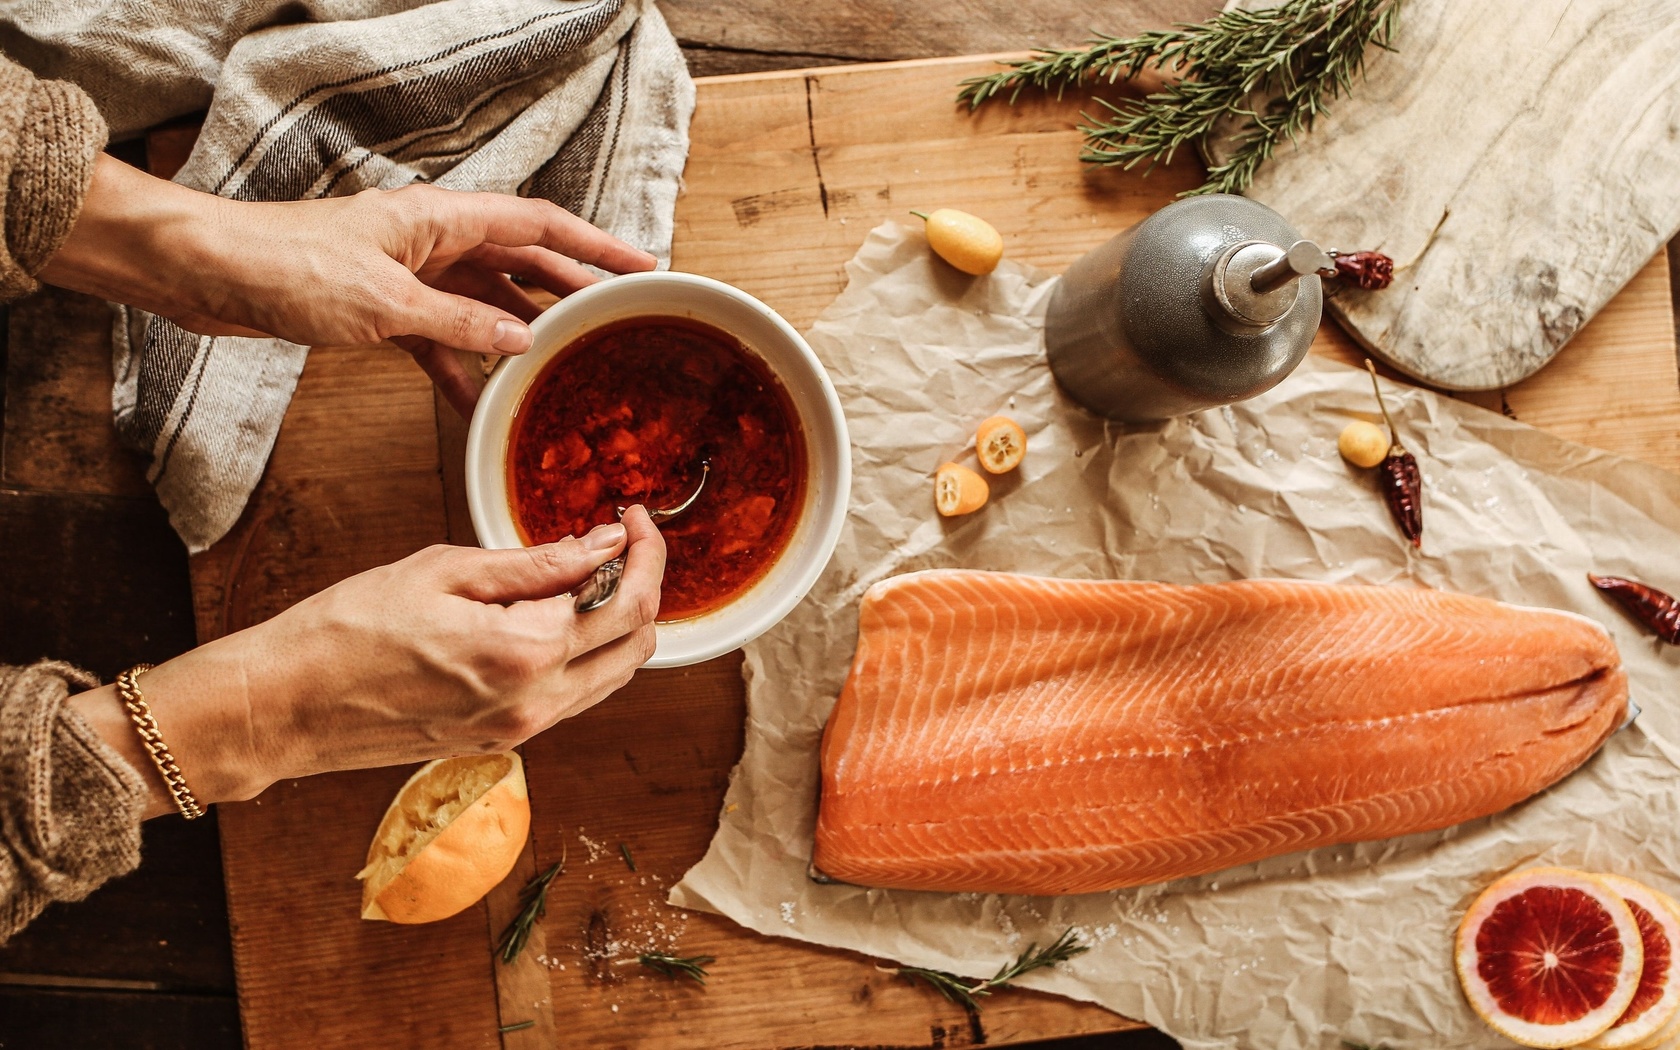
<point>1398,476</point>
<point>1371,271</point>
<point>1655,609</point>
<point>1402,489</point>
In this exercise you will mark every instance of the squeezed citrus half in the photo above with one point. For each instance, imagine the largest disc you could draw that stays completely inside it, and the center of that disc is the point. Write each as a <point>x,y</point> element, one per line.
<point>452,833</point>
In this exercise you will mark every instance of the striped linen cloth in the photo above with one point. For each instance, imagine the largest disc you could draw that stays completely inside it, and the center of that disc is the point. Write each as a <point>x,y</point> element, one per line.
<point>584,103</point>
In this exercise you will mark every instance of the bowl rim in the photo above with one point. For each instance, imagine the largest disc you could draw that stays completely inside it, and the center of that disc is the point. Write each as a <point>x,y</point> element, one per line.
<point>485,506</point>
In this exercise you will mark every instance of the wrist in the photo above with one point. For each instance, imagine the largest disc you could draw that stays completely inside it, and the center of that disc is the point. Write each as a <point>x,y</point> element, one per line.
<point>202,705</point>
<point>103,709</point>
<point>141,240</point>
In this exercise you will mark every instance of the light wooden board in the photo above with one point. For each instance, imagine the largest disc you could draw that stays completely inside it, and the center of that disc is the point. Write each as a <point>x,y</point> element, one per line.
<point>787,174</point>
<point>1519,160</point>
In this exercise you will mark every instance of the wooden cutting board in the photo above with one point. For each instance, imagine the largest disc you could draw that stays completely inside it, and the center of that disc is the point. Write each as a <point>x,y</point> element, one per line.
<point>787,173</point>
<point>1518,159</point>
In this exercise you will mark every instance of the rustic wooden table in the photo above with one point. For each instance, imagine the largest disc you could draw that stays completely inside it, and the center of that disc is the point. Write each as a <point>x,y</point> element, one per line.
<point>146,962</point>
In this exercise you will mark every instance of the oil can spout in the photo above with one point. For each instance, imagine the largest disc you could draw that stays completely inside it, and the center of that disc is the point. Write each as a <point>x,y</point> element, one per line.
<point>1302,258</point>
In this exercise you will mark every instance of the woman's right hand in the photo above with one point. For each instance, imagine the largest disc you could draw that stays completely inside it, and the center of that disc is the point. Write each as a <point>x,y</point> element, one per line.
<point>450,651</point>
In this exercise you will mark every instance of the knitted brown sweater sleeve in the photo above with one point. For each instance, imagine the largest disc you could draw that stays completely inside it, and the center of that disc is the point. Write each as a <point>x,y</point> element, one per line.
<point>50,135</point>
<point>70,807</point>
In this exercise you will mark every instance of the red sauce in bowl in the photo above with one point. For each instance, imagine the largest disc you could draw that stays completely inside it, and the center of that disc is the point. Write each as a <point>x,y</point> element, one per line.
<point>625,415</point>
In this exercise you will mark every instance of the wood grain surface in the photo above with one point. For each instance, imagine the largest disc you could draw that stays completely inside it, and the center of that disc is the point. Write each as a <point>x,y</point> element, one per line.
<point>150,953</point>
<point>58,432</point>
<point>741,35</point>
<point>44,1017</point>
<point>1519,160</point>
<point>787,174</point>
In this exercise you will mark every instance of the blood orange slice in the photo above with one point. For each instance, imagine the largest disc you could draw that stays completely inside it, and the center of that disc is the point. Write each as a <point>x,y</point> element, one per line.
<point>1549,957</point>
<point>1657,1000</point>
<point>1666,1039</point>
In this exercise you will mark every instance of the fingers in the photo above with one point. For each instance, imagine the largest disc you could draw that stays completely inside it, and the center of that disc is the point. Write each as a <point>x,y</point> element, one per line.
<point>475,307</point>
<point>458,321</point>
<point>547,270</point>
<point>530,574</point>
<point>598,674</point>
<point>518,221</point>
<point>637,602</point>
<point>487,286</point>
<point>634,605</point>
<point>447,372</point>
<point>606,644</point>
<point>442,363</point>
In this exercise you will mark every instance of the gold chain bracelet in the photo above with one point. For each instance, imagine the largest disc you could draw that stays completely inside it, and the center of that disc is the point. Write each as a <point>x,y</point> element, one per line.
<point>129,689</point>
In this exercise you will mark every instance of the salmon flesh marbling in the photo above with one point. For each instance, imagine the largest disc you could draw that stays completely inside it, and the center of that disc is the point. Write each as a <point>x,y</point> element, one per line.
<point>1015,734</point>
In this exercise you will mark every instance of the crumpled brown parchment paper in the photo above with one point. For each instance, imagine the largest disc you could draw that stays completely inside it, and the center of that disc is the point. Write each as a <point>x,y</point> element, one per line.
<point>1306,950</point>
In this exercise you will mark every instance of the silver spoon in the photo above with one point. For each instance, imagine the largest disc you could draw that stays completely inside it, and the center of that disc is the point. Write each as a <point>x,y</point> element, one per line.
<point>603,582</point>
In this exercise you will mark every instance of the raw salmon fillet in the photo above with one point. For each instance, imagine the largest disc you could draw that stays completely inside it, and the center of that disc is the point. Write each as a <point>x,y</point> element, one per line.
<point>1013,734</point>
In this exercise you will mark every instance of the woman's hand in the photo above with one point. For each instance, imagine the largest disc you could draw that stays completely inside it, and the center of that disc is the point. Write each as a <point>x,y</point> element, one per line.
<point>425,267</point>
<point>450,651</point>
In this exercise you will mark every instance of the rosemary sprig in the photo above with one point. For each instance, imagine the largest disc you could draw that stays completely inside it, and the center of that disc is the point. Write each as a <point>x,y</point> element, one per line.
<point>1299,56</point>
<point>624,851</point>
<point>518,1026</point>
<point>673,966</point>
<point>533,905</point>
<point>959,991</point>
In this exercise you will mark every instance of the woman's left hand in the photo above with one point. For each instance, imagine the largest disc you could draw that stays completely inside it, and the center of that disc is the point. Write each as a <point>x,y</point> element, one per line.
<point>427,268</point>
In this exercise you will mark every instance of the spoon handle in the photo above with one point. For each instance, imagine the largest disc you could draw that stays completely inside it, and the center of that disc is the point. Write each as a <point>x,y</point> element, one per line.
<point>601,585</point>
<point>603,582</point>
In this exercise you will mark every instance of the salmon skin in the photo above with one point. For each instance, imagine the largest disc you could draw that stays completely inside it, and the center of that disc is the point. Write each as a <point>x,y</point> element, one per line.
<point>1014,734</point>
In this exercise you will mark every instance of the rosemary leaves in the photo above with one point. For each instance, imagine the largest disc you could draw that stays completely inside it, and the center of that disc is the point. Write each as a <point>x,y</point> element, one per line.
<point>1298,56</point>
<point>693,967</point>
<point>1398,476</point>
<point>1657,611</point>
<point>533,905</point>
<point>963,993</point>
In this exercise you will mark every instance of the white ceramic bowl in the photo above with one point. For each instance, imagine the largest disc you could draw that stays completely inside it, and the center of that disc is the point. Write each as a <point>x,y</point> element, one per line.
<point>827,445</point>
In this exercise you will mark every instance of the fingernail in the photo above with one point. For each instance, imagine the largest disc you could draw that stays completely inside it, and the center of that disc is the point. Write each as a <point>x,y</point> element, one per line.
<point>604,537</point>
<point>511,337</point>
